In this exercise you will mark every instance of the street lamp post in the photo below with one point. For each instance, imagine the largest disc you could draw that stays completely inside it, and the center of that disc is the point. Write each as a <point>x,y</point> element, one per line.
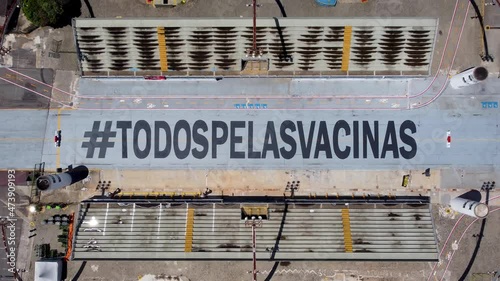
<point>254,51</point>
<point>253,223</point>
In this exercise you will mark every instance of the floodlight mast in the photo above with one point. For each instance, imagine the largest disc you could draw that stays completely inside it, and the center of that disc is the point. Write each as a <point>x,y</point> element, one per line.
<point>254,52</point>
<point>254,246</point>
<point>254,224</point>
<point>254,4</point>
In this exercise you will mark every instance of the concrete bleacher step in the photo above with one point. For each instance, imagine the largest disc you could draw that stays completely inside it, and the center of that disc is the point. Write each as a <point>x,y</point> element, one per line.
<point>193,231</point>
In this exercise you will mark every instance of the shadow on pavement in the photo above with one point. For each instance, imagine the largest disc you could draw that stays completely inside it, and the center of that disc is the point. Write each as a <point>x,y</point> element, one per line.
<point>89,7</point>
<point>276,245</point>
<point>478,243</point>
<point>282,8</point>
<point>80,270</point>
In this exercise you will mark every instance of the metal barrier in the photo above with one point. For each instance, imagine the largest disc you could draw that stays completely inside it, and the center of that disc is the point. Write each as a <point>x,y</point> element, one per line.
<point>149,194</point>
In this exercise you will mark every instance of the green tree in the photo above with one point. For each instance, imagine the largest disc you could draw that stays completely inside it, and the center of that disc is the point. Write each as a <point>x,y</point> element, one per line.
<point>43,12</point>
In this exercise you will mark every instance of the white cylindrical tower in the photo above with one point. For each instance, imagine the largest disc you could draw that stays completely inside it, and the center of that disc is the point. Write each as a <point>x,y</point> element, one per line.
<point>55,181</point>
<point>469,77</point>
<point>469,207</point>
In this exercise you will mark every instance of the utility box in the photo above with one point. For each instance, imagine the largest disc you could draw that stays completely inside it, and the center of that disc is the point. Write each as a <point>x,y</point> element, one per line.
<point>48,270</point>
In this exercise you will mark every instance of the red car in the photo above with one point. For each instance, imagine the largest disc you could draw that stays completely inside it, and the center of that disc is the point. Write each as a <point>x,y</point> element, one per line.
<point>57,138</point>
<point>159,77</point>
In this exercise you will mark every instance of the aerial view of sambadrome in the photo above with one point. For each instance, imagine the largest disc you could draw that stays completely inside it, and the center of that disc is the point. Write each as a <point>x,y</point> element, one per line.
<point>259,140</point>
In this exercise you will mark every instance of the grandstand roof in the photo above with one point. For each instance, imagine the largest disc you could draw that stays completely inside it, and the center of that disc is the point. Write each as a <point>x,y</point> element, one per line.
<point>215,231</point>
<point>293,46</point>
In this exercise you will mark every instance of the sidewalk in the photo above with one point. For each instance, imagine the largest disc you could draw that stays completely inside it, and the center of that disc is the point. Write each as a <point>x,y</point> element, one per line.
<point>249,87</point>
<point>317,184</point>
<point>440,185</point>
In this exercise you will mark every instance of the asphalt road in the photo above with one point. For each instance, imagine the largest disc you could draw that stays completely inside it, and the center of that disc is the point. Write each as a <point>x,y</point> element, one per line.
<point>359,135</point>
<point>22,95</point>
<point>324,147</point>
<point>22,138</point>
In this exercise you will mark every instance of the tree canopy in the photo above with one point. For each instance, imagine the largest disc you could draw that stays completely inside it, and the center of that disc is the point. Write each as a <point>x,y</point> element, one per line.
<point>43,12</point>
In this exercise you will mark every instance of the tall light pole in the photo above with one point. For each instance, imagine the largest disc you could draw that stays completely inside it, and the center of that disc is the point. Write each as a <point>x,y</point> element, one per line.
<point>254,51</point>
<point>253,223</point>
<point>292,187</point>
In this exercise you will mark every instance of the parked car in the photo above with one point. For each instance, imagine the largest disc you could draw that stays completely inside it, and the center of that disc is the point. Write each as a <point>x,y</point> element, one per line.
<point>57,138</point>
<point>158,77</point>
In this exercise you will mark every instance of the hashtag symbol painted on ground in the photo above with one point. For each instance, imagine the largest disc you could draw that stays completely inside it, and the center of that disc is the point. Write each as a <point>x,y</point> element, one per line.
<point>94,137</point>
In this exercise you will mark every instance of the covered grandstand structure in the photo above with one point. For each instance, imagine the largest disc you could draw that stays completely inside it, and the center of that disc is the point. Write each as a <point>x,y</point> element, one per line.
<point>290,229</point>
<point>288,47</point>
